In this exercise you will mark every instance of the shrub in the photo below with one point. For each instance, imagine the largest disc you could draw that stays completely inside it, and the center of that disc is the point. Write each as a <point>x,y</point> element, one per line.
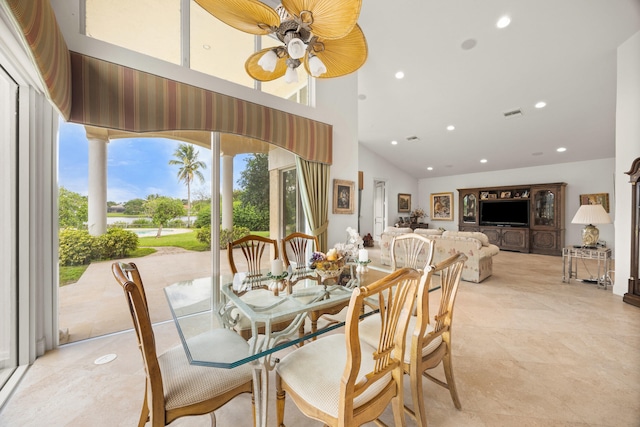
<point>204,235</point>
<point>77,247</point>
<point>227,235</point>
<point>119,224</point>
<point>204,217</point>
<point>117,243</point>
<point>142,223</point>
<point>250,217</point>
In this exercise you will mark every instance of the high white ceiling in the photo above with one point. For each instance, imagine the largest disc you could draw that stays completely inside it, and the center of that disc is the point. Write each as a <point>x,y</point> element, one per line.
<point>562,52</point>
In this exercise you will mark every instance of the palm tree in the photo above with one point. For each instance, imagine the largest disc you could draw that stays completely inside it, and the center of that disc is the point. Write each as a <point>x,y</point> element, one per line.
<point>187,159</point>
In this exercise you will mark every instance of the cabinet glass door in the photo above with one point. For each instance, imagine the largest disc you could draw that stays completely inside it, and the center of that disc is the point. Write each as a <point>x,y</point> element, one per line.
<point>469,208</point>
<point>544,204</point>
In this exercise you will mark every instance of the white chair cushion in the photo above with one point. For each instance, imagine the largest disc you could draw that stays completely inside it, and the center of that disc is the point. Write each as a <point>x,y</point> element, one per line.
<point>370,333</point>
<point>314,371</point>
<point>185,384</point>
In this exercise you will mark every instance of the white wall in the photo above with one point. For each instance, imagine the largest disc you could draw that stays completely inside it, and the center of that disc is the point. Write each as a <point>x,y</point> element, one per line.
<point>594,176</point>
<point>627,149</point>
<point>337,101</point>
<point>376,168</point>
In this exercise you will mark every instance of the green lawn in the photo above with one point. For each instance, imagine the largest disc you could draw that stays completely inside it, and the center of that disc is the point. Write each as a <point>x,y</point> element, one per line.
<point>186,241</point>
<point>183,240</point>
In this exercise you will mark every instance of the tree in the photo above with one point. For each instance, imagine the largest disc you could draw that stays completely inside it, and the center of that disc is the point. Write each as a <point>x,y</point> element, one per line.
<point>187,159</point>
<point>162,210</point>
<point>254,181</point>
<point>73,209</point>
<point>134,207</point>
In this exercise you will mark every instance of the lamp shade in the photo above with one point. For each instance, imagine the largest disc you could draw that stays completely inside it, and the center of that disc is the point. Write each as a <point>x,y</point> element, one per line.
<point>291,75</point>
<point>591,214</point>
<point>268,61</point>
<point>296,48</point>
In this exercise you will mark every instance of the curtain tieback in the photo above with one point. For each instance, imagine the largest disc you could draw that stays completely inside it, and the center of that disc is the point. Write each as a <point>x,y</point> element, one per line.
<point>318,231</point>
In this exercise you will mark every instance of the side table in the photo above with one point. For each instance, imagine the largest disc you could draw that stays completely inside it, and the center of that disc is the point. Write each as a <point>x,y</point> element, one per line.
<point>571,254</point>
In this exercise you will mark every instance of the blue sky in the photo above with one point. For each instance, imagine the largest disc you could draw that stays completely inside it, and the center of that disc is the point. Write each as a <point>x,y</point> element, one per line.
<point>136,167</point>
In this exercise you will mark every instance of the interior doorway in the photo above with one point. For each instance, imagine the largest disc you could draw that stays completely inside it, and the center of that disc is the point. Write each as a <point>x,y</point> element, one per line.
<point>379,209</point>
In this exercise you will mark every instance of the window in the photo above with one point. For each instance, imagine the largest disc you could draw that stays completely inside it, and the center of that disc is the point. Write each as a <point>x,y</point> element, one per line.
<point>215,48</point>
<point>8,224</point>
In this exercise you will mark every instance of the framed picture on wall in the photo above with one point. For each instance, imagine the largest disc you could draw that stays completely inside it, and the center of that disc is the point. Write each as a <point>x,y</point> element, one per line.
<point>442,206</point>
<point>404,202</point>
<point>596,199</point>
<point>343,196</point>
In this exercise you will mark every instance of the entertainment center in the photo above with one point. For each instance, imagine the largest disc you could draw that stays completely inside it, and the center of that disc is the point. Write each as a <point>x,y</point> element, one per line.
<point>523,218</point>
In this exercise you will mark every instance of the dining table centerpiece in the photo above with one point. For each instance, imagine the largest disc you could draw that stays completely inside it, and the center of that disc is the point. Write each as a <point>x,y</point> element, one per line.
<point>329,265</point>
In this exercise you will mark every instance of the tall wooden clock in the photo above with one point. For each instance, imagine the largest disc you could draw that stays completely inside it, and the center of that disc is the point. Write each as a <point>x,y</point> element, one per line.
<point>633,296</point>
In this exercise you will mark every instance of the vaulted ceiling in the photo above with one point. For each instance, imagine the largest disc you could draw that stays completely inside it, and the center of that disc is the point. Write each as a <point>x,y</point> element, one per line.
<point>461,70</point>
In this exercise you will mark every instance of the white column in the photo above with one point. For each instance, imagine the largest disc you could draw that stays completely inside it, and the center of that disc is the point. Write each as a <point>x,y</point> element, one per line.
<point>227,191</point>
<point>97,186</point>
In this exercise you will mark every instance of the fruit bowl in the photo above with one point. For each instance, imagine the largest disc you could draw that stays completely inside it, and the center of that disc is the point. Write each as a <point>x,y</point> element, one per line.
<point>330,269</point>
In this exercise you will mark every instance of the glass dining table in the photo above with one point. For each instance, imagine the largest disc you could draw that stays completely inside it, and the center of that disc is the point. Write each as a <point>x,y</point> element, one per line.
<point>257,304</point>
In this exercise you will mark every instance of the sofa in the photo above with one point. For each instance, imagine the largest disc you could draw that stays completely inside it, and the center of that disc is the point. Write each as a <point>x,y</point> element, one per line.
<point>474,245</point>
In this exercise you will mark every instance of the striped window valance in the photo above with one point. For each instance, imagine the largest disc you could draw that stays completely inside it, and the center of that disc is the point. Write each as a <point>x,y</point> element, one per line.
<point>117,97</point>
<point>48,48</point>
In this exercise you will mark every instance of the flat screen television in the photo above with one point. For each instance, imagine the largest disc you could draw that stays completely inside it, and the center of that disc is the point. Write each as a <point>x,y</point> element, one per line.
<point>514,213</point>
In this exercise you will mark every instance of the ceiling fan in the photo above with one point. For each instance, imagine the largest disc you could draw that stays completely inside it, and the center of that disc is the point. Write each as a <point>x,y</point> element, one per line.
<point>321,34</point>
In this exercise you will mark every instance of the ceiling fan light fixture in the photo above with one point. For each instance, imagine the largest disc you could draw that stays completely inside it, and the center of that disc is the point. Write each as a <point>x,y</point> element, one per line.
<point>316,66</point>
<point>291,76</point>
<point>268,61</point>
<point>296,48</point>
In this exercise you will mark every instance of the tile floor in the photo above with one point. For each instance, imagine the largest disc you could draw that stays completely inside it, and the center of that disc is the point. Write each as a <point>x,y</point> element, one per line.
<point>529,350</point>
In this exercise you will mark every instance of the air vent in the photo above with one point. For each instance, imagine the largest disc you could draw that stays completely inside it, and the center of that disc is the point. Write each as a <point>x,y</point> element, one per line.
<point>413,138</point>
<point>513,113</point>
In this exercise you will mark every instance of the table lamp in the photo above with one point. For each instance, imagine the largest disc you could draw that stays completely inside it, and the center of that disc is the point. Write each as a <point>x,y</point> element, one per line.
<point>590,215</point>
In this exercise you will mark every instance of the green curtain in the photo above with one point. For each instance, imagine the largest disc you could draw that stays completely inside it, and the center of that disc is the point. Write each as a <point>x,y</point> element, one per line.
<point>314,179</point>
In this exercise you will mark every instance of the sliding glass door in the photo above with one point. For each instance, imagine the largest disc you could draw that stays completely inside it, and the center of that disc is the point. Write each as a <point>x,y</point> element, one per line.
<point>8,225</point>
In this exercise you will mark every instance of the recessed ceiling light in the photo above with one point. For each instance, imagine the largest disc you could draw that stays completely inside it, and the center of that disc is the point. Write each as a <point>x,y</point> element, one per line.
<point>451,127</point>
<point>399,75</point>
<point>206,46</point>
<point>483,161</point>
<point>394,142</point>
<point>540,104</point>
<point>430,168</point>
<point>503,22</point>
<point>561,150</point>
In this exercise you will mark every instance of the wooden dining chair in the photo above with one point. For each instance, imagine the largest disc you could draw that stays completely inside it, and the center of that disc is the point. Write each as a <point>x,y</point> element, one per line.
<point>428,340</point>
<point>173,387</point>
<point>341,381</point>
<point>253,248</point>
<point>411,250</point>
<point>296,248</point>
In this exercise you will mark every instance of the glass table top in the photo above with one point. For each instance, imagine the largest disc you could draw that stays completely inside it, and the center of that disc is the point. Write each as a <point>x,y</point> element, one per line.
<point>204,324</point>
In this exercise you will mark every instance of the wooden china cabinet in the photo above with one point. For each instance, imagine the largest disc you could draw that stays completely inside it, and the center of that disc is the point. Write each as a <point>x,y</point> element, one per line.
<point>633,296</point>
<point>523,218</point>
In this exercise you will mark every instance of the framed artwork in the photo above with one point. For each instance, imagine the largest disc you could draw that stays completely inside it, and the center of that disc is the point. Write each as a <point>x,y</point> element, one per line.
<point>442,206</point>
<point>404,202</point>
<point>343,196</point>
<point>596,199</point>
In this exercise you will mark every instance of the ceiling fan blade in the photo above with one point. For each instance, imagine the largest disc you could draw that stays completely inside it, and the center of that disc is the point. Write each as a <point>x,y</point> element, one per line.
<point>258,73</point>
<point>342,56</point>
<point>250,16</point>
<point>332,19</point>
